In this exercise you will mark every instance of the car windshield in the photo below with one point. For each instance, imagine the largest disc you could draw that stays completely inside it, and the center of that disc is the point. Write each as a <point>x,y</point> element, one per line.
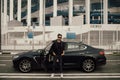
<point>47,48</point>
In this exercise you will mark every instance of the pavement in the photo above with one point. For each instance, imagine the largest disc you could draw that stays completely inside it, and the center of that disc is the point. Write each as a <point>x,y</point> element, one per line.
<point>111,71</point>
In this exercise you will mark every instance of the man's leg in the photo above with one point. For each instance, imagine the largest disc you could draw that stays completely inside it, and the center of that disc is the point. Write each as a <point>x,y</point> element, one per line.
<point>54,63</point>
<point>54,66</point>
<point>60,63</point>
<point>61,66</point>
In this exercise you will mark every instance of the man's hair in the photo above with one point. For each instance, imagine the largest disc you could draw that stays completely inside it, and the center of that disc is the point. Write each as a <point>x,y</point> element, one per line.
<point>59,35</point>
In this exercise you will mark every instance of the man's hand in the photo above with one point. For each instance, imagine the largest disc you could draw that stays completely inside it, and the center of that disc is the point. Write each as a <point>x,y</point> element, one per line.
<point>54,54</point>
<point>62,54</point>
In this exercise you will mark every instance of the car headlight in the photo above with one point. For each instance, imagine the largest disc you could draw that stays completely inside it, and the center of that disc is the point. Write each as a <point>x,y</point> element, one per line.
<point>16,56</point>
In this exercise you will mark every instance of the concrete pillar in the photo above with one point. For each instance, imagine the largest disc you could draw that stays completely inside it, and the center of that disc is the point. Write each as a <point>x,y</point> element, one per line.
<point>28,12</point>
<point>101,38</point>
<point>92,17</point>
<point>98,17</point>
<point>44,3</point>
<point>89,38</point>
<point>44,40</point>
<point>11,10</point>
<point>1,6</point>
<point>5,13</point>
<point>0,24</point>
<point>87,3</point>
<point>105,10</point>
<point>81,37</point>
<point>40,13</point>
<point>54,8</point>
<point>19,11</point>
<point>4,29</point>
<point>113,36</point>
<point>1,12</point>
<point>70,12</point>
<point>42,19</point>
<point>117,36</point>
<point>8,38</point>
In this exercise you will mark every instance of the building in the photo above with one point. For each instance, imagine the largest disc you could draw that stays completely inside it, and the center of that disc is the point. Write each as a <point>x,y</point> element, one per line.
<point>31,24</point>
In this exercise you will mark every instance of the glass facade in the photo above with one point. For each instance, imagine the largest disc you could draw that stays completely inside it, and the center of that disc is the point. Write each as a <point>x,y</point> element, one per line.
<point>96,11</point>
<point>114,12</point>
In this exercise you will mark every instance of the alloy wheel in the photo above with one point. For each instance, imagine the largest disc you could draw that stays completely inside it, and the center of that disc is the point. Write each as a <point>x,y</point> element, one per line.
<point>88,65</point>
<point>25,65</point>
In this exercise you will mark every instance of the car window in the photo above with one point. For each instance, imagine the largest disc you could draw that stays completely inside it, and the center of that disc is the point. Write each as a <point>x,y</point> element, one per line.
<point>71,46</point>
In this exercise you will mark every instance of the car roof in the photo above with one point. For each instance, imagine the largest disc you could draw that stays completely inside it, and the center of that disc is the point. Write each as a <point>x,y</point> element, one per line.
<point>71,41</point>
<point>79,42</point>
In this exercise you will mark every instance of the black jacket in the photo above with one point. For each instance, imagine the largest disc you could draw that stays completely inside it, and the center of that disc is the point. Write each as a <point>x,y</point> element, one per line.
<point>57,47</point>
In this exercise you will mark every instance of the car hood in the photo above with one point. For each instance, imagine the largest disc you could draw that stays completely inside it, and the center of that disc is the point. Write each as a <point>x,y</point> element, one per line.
<point>31,52</point>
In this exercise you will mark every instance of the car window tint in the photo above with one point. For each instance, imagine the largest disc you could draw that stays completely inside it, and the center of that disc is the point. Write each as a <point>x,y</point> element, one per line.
<point>72,46</point>
<point>82,47</point>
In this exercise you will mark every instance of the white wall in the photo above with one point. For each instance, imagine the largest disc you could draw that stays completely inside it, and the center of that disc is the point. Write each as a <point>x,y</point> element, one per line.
<point>57,21</point>
<point>77,21</point>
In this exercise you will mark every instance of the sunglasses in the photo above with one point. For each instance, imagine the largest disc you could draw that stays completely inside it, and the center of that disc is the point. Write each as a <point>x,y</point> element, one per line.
<point>59,37</point>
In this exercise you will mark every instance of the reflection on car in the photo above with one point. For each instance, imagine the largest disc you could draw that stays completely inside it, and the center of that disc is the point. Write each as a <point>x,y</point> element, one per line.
<point>76,54</point>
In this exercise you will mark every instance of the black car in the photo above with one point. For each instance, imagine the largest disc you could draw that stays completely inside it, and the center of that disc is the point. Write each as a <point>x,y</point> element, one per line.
<point>76,54</point>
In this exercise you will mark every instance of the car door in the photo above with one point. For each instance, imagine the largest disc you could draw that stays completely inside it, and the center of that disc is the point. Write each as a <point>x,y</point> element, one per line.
<point>38,56</point>
<point>71,53</point>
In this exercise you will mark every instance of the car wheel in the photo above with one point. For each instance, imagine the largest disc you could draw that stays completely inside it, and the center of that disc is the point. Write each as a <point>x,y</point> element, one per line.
<point>25,65</point>
<point>88,65</point>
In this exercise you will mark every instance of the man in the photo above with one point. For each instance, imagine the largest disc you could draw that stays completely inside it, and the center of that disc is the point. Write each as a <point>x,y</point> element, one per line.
<point>57,48</point>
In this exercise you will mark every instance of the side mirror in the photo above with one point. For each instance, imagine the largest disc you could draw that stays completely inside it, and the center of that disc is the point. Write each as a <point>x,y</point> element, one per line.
<point>39,51</point>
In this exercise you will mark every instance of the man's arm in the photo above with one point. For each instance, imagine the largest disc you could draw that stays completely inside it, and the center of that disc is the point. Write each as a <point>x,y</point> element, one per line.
<point>53,45</point>
<point>63,49</point>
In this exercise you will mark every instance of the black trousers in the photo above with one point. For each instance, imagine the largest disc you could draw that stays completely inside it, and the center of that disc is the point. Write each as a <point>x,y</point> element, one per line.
<point>57,62</point>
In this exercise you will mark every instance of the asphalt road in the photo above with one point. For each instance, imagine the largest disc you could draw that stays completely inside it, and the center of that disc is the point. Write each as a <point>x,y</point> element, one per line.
<point>111,71</point>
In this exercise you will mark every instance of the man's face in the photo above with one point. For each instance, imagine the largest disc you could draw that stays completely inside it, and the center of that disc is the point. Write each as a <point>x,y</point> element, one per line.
<point>59,38</point>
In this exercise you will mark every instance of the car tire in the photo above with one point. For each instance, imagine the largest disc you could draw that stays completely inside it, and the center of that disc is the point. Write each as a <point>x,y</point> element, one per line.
<point>88,65</point>
<point>25,65</point>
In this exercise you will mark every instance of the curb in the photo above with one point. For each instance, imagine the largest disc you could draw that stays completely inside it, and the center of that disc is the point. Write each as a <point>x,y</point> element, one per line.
<point>65,76</point>
<point>12,52</point>
<point>5,52</point>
